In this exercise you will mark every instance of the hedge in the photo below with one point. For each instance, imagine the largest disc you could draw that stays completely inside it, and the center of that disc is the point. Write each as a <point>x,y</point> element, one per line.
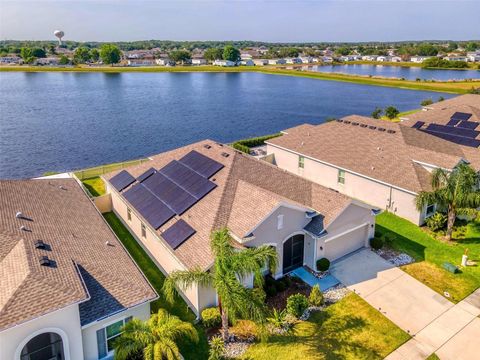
<point>245,144</point>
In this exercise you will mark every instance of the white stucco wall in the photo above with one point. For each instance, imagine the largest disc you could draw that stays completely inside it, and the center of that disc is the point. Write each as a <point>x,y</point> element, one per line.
<point>383,196</point>
<point>64,322</point>
<point>89,331</point>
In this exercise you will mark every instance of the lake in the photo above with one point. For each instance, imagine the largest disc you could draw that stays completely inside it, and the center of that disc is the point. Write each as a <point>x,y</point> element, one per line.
<point>65,121</point>
<point>409,73</point>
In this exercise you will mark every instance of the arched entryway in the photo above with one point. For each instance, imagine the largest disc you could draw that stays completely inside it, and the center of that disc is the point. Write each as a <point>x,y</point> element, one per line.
<point>293,253</point>
<point>45,346</point>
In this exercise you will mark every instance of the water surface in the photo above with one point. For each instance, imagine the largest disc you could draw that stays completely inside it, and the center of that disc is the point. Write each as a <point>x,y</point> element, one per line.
<point>65,121</point>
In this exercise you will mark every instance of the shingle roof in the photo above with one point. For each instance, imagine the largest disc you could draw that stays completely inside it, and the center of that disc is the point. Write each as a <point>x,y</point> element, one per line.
<point>247,190</point>
<point>389,156</point>
<point>101,277</point>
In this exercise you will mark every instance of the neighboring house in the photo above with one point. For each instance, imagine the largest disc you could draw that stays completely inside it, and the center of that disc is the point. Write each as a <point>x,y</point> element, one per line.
<point>382,163</point>
<point>10,60</point>
<point>247,62</point>
<point>473,56</point>
<point>419,59</point>
<point>165,62</point>
<point>174,202</point>
<point>383,58</point>
<point>327,59</point>
<point>396,59</point>
<point>307,59</point>
<point>456,58</point>
<point>456,120</point>
<point>369,57</point>
<point>199,61</point>
<point>68,284</point>
<point>293,61</point>
<point>277,61</point>
<point>226,63</point>
<point>246,56</point>
<point>141,62</point>
<point>260,62</point>
<point>47,61</point>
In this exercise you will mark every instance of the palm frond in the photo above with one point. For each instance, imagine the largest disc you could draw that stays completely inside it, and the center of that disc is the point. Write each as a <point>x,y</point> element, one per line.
<point>425,198</point>
<point>184,280</point>
<point>221,243</point>
<point>439,178</point>
<point>250,260</point>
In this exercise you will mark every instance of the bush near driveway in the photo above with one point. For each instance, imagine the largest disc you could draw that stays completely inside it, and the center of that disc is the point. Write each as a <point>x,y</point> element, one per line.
<point>431,254</point>
<point>350,329</point>
<point>297,304</point>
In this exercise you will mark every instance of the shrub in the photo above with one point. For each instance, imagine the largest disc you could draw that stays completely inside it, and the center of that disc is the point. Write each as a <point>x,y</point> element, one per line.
<point>323,264</point>
<point>244,330</point>
<point>217,348</point>
<point>287,281</point>
<point>246,144</point>
<point>376,243</point>
<point>271,291</point>
<point>241,147</point>
<point>297,304</point>
<point>280,286</point>
<point>391,112</point>
<point>211,317</point>
<point>437,221</point>
<point>426,102</point>
<point>316,296</point>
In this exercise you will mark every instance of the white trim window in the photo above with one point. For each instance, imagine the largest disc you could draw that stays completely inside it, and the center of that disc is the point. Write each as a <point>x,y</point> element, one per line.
<point>107,335</point>
<point>280,222</point>
<point>144,231</point>
<point>301,161</point>
<point>430,210</point>
<point>341,177</point>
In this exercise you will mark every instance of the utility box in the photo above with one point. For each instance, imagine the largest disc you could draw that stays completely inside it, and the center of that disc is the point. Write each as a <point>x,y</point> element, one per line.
<point>450,267</point>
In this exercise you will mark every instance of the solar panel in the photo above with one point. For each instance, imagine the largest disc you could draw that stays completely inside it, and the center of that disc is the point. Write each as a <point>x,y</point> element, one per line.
<point>455,139</point>
<point>418,124</point>
<point>176,234</point>
<point>461,116</point>
<point>453,130</point>
<point>150,207</point>
<point>170,193</point>
<point>468,125</point>
<point>189,180</point>
<point>453,122</point>
<point>201,163</point>
<point>146,174</point>
<point>122,180</point>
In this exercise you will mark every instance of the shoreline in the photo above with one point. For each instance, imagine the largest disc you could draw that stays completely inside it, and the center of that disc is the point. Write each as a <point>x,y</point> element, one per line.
<point>455,87</point>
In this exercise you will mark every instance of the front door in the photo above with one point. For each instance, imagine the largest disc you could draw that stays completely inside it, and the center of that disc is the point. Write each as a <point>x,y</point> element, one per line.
<point>293,253</point>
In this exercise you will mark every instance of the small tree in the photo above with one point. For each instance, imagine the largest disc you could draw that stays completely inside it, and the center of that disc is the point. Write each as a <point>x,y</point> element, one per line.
<point>212,54</point>
<point>180,56</point>
<point>377,113</point>
<point>454,191</point>
<point>231,53</point>
<point>27,55</point>
<point>110,54</point>
<point>391,112</point>
<point>64,60</point>
<point>39,53</point>
<point>316,297</point>
<point>426,102</point>
<point>81,55</point>
<point>94,55</point>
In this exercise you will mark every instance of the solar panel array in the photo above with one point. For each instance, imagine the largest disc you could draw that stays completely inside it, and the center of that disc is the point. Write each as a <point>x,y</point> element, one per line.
<point>418,124</point>
<point>159,195</point>
<point>472,125</point>
<point>461,116</point>
<point>122,180</point>
<point>453,130</point>
<point>176,234</point>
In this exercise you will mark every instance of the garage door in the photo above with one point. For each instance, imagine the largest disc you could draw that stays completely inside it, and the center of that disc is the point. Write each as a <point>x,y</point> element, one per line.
<point>345,244</point>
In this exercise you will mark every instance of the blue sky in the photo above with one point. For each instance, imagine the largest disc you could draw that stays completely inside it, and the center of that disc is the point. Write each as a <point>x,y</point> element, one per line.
<point>275,21</point>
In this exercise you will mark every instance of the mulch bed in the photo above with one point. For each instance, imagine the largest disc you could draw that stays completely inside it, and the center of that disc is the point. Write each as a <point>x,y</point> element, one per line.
<point>279,301</point>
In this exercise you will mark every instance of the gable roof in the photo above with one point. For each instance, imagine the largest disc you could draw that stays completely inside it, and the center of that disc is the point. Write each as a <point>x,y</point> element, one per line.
<point>247,190</point>
<point>381,150</point>
<point>75,235</point>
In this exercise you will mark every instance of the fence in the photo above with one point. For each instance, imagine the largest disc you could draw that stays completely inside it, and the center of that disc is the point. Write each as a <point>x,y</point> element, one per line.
<point>103,169</point>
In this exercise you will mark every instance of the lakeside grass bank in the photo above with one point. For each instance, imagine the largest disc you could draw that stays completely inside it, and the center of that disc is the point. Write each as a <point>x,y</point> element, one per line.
<point>456,87</point>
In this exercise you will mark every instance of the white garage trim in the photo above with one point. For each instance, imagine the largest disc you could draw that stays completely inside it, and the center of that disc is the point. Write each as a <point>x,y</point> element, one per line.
<point>347,232</point>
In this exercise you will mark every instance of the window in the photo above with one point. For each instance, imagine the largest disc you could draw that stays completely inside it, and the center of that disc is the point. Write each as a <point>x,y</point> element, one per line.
<point>43,346</point>
<point>430,210</point>
<point>341,176</point>
<point>301,162</point>
<point>279,222</point>
<point>129,214</point>
<point>144,231</point>
<point>107,335</point>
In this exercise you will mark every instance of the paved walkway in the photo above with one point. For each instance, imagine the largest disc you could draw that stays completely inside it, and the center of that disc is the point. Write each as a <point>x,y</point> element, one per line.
<point>325,283</point>
<point>436,324</point>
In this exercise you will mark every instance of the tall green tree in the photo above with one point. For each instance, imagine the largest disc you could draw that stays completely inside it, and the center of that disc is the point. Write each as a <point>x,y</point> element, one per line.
<point>212,54</point>
<point>81,55</point>
<point>180,55</point>
<point>230,267</point>
<point>377,113</point>
<point>110,54</point>
<point>391,112</point>
<point>94,55</point>
<point>155,338</point>
<point>231,53</point>
<point>64,60</point>
<point>453,191</point>
<point>26,54</point>
<point>39,53</point>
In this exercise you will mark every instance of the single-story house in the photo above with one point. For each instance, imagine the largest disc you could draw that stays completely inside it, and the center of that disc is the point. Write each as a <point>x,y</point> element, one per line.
<point>199,61</point>
<point>47,61</point>
<point>306,59</point>
<point>381,163</point>
<point>68,284</point>
<point>165,62</point>
<point>473,56</point>
<point>226,63</point>
<point>327,59</point>
<point>247,62</point>
<point>456,58</point>
<point>277,61</point>
<point>141,62</point>
<point>369,57</point>
<point>396,59</point>
<point>260,62</point>
<point>173,203</point>
<point>419,59</point>
<point>10,60</point>
<point>293,61</point>
<point>456,120</point>
<point>383,58</point>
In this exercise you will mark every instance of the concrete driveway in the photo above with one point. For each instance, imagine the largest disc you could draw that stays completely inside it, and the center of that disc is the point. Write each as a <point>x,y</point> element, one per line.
<point>401,298</point>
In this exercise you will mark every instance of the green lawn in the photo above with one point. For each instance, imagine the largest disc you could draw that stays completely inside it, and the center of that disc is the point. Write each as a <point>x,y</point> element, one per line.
<point>156,278</point>
<point>349,329</point>
<point>95,186</point>
<point>431,253</point>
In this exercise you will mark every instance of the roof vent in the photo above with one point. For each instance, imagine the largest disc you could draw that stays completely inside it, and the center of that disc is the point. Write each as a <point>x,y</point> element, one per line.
<point>61,187</point>
<point>23,228</point>
<point>347,121</point>
<point>206,146</point>
<point>355,123</point>
<point>44,260</point>
<point>372,127</point>
<point>381,129</point>
<point>391,131</point>
<point>224,154</point>
<point>39,244</point>
<point>19,215</point>
<point>363,125</point>
<point>339,120</point>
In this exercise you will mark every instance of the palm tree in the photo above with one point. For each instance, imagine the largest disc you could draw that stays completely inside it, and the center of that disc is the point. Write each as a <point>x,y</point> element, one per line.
<point>230,267</point>
<point>155,338</point>
<point>454,191</point>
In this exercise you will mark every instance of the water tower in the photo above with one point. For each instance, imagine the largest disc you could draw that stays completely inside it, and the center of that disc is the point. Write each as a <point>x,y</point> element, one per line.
<point>59,34</point>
